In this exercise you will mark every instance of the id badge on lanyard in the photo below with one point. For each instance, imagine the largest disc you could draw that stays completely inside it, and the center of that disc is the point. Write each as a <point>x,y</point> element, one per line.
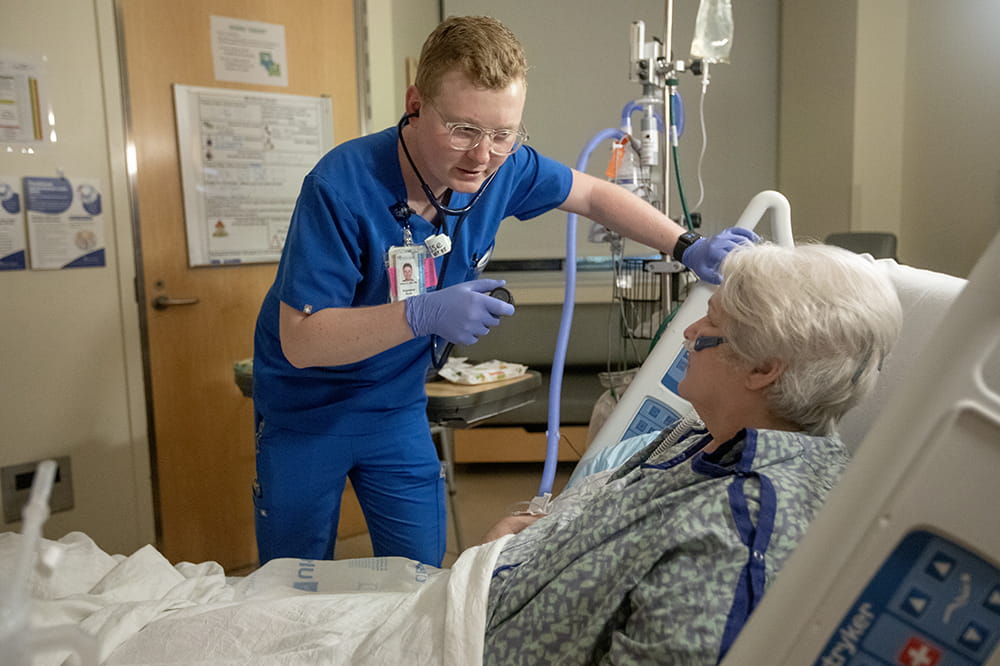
<point>411,267</point>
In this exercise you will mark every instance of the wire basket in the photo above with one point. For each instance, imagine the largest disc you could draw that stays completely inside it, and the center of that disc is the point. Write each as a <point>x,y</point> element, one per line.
<point>638,293</point>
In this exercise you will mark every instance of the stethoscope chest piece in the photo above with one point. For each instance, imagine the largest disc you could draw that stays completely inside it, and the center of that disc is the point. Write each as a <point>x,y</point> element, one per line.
<point>499,293</point>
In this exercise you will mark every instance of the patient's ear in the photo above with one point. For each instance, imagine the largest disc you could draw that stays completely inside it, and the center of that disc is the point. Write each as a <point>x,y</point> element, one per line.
<point>765,374</point>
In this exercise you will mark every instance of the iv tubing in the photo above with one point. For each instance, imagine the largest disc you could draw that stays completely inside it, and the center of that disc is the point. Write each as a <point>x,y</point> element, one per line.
<point>668,37</point>
<point>562,340</point>
<point>704,137</point>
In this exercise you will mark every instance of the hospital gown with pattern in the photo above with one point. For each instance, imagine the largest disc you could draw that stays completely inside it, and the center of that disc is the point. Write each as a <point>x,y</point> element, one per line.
<point>664,561</point>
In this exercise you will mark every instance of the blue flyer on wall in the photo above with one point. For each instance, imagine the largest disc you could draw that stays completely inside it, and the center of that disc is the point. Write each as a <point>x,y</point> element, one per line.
<point>65,222</point>
<point>13,244</point>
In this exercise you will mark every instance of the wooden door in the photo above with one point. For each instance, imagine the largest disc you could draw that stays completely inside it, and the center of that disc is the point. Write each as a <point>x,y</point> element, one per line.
<point>202,426</point>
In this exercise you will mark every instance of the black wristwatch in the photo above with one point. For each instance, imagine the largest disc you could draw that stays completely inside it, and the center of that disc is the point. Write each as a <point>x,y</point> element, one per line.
<point>686,240</point>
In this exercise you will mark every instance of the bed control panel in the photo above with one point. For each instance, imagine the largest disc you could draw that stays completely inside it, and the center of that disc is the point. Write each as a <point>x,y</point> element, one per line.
<point>931,603</point>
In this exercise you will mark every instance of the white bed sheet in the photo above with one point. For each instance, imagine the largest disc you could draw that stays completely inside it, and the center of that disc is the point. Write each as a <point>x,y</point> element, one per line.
<point>143,610</point>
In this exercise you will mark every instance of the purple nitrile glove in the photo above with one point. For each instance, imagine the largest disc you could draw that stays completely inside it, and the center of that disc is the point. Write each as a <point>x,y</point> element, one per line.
<point>705,255</point>
<point>460,313</point>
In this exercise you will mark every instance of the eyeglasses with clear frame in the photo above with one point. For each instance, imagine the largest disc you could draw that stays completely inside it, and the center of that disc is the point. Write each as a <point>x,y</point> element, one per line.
<point>466,136</point>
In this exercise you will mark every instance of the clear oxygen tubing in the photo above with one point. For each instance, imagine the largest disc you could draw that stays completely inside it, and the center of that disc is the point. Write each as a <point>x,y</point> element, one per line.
<point>688,421</point>
<point>566,322</point>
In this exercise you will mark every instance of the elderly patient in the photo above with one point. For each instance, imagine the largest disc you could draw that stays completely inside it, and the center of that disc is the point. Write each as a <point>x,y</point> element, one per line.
<point>662,559</point>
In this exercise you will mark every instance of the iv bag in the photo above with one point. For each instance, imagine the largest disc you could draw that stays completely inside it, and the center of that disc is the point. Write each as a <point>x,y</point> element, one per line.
<point>713,31</point>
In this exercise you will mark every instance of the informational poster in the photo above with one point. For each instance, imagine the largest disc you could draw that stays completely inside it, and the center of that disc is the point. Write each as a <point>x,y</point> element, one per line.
<point>22,118</point>
<point>243,157</point>
<point>65,222</point>
<point>249,51</point>
<point>13,248</point>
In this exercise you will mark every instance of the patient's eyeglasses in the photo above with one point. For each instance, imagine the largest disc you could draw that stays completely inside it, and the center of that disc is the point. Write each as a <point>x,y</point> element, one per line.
<point>703,342</point>
<point>466,136</point>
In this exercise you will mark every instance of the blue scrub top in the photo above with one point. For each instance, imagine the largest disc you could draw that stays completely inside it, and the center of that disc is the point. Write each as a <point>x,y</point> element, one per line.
<point>334,256</point>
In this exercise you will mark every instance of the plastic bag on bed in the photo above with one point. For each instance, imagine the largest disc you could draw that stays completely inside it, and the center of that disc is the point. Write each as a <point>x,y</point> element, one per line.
<point>372,574</point>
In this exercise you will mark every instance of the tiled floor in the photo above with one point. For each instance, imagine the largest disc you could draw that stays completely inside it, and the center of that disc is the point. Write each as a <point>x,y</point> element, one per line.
<point>484,493</point>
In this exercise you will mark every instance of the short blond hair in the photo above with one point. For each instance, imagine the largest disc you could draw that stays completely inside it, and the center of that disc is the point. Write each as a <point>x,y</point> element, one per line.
<point>481,47</point>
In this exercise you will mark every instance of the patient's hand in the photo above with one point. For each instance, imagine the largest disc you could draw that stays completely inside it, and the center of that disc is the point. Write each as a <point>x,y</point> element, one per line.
<point>510,525</point>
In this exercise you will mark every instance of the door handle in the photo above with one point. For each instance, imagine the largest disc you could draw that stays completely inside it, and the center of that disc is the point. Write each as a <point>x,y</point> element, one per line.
<point>163,302</point>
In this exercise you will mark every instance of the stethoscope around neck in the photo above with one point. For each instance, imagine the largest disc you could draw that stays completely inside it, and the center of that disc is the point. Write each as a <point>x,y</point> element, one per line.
<point>439,358</point>
<point>441,208</point>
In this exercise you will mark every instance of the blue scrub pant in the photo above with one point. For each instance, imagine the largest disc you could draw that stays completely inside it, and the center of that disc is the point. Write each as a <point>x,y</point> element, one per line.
<point>396,476</point>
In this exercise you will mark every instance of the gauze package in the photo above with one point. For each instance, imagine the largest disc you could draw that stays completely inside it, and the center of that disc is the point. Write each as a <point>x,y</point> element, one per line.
<point>460,371</point>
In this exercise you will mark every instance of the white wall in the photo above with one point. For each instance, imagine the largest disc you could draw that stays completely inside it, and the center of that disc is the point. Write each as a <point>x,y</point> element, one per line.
<point>396,31</point>
<point>817,114</point>
<point>951,170</point>
<point>70,356</point>
<point>879,110</point>
<point>887,124</point>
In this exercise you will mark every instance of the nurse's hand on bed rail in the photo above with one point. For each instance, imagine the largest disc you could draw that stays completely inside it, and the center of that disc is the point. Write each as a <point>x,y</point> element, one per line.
<point>460,313</point>
<point>705,254</point>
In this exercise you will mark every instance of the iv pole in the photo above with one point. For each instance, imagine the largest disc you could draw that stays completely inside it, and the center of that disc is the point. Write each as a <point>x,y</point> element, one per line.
<point>668,40</point>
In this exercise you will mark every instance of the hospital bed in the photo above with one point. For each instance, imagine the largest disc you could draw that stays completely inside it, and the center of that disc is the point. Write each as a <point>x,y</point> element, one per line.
<point>900,567</point>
